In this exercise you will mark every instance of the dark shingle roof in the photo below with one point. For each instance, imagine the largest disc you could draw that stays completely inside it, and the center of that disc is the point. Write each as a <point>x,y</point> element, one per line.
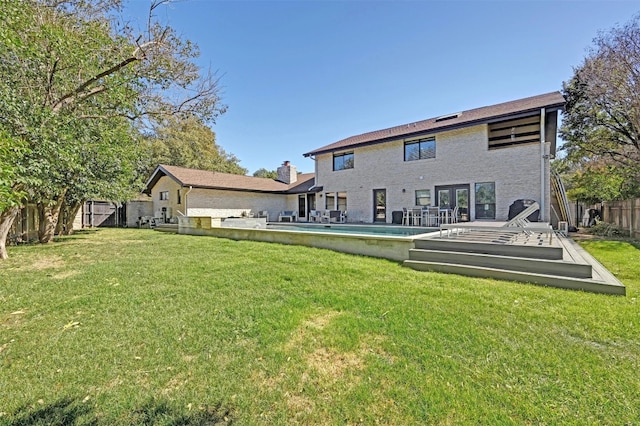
<point>217,180</point>
<point>552,101</point>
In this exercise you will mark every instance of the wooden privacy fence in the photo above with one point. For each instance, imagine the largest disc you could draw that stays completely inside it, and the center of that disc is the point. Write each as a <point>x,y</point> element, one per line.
<point>625,214</point>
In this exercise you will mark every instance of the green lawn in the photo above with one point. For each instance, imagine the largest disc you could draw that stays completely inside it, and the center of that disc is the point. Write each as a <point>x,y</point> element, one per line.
<point>142,327</point>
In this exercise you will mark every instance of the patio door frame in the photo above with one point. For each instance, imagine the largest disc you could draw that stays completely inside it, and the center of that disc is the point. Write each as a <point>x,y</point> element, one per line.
<point>465,216</point>
<point>309,204</point>
<point>379,207</point>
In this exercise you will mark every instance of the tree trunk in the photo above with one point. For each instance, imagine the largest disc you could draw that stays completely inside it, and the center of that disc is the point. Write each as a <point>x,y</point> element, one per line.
<point>61,217</point>
<point>70,216</point>
<point>48,215</point>
<point>6,221</point>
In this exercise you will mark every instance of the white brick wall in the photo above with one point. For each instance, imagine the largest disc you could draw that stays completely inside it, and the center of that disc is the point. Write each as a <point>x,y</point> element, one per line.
<point>219,203</point>
<point>462,157</point>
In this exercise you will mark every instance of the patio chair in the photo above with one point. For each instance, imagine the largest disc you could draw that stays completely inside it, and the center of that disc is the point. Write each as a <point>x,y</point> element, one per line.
<point>405,216</point>
<point>264,213</point>
<point>454,215</point>
<point>431,216</point>
<point>315,216</point>
<point>289,215</point>
<point>336,216</point>
<point>415,216</point>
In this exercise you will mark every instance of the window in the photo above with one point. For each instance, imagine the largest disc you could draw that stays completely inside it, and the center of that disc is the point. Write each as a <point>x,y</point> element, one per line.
<point>343,161</point>
<point>342,201</point>
<point>506,134</point>
<point>179,197</point>
<point>486,200</point>
<point>164,195</point>
<point>335,201</point>
<point>420,150</point>
<point>330,200</point>
<point>423,197</point>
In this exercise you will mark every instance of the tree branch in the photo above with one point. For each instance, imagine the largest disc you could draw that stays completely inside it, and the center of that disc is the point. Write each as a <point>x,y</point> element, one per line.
<point>77,93</point>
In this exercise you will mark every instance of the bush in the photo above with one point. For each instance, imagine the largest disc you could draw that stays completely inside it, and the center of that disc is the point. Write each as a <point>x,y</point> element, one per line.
<point>607,230</point>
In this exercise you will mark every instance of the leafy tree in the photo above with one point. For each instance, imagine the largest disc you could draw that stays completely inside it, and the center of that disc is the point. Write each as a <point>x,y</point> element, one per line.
<point>264,173</point>
<point>71,81</point>
<point>187,142</point>
<point>601,125</point>
<point>590,183</point>
<point>11,186</point>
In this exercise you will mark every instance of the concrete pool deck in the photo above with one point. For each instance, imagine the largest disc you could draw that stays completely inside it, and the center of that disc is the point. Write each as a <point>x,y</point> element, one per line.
<point>495,252</point>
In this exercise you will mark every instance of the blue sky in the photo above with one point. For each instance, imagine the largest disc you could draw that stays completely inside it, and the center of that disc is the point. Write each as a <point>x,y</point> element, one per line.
<point>298,75</point>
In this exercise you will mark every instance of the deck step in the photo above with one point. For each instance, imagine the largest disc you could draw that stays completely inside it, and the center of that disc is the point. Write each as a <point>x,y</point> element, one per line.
<point>510,263</point>
<point>510,250</point>
<point>529,277</point>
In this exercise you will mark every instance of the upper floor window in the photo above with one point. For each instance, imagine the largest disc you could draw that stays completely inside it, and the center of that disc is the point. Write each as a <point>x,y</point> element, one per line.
<point>420,149</point>
<point>511,133</point>
<point>164,195</point>
<point>343,161</point>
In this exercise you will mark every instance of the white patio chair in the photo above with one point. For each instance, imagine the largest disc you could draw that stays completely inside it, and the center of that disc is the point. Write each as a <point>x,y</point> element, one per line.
<point>405,216</point>
<point>315,216</point>
<point>454,215</point>
<point>432,216</point>
<point>416,216</point>
<point>290,215</point>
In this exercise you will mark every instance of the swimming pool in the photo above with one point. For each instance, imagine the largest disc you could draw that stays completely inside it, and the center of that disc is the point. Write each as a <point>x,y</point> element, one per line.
<point>378,230</point>
<point>385,241</point>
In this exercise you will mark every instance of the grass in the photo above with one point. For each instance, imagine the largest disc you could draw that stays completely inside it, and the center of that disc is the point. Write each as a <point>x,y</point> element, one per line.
<point>141,327</point>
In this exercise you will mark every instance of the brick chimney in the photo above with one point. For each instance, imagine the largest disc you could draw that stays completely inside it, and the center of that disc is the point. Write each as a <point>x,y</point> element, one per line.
<point>287,173</point>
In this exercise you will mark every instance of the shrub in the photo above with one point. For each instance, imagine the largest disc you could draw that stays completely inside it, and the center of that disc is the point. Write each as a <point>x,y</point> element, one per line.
<point>607,230</point>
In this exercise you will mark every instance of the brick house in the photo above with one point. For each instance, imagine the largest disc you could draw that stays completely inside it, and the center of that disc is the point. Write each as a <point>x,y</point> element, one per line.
<point>481,160</point>
<point>177,191</point>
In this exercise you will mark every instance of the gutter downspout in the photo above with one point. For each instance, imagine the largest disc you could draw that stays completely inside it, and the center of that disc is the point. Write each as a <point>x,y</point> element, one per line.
<point>543,160</point>
<point>186,201</point>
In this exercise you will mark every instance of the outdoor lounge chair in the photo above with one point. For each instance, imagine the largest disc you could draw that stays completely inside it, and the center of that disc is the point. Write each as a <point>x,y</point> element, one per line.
<point>289,215</point>
<point>518,223</point>
<point>520,219</point>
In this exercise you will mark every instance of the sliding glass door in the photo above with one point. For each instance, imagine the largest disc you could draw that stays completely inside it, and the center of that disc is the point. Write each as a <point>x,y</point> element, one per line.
<point>452,196</point>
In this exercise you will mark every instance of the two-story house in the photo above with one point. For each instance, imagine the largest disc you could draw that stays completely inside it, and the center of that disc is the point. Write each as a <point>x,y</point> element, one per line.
<point>480,160</point>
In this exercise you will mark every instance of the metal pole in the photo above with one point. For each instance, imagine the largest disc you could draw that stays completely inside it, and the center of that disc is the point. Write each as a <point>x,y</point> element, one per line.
<point>542,165</point>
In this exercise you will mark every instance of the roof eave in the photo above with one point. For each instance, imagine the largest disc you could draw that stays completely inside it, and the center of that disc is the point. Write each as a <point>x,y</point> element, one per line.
<point>552,107</point>
<point>155,176</point>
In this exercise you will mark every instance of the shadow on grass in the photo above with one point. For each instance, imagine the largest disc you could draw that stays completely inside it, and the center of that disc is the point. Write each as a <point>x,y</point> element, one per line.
<point>68,411</point>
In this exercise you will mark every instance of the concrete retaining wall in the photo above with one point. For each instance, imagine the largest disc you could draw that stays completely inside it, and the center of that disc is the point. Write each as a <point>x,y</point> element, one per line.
<point>392,248</point>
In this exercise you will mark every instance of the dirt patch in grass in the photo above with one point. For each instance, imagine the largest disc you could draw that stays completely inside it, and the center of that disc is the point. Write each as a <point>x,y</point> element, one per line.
<point>372,345</point>
<point>47,262</point>
<point>309,327</point>
<point>64,274</point>
<point>174,384</point>
<point>323,370</point>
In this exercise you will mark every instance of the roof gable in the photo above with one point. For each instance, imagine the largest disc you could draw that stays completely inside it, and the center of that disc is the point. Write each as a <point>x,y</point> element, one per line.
<point>551,101</point>
<point>216,180</point>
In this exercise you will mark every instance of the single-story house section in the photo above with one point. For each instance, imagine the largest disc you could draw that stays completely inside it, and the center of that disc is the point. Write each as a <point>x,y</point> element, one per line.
<point>178,191</point>
<point>481,160</point>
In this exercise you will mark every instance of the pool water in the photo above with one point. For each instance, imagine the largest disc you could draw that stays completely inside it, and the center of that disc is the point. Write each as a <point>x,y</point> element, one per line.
<point>391,231</point>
